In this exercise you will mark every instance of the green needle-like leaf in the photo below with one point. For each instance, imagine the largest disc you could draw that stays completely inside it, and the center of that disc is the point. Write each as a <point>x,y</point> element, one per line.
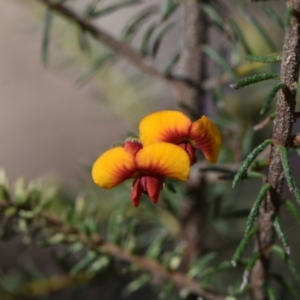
<point>288,173</point>
<point>282,254</point>
<point>254,79</point>
<point>170,7</point>
<point>241,247</point>
<point>250,158</point>
<point>267,102</point>
<point>146,38</point>
<point>46,36</point>
<point>136,284</point>
<point>287,285</point>
<point>112,8</point>
<point>281,235</point>
<point>248,269</point>
<point>262,31</point>
<point>252,262</point>
<point>136,23</point>
<point>173,61</point>
<point>288,13</point>
<point>214,15</point>
<point>239,36</point>
<point>200,265</point>
<point>213,54</point>
<point>86,76</point>
<point>272,15</point>
<point>271,293</point>
<point>255,208</point>
<point>159,37</point>
<point>271,58</point>
<point>292,209</point>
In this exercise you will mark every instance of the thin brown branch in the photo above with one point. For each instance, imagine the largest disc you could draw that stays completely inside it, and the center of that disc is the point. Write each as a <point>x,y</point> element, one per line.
<point>118,47</point>
<point>95,242</point>
<point>115,45</point>
<point>283,124</point>
<point>158,272</point>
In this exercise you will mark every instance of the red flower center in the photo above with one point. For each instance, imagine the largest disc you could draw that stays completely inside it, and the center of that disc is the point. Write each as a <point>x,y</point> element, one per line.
<point>190,150</point>
<point>149,185</point>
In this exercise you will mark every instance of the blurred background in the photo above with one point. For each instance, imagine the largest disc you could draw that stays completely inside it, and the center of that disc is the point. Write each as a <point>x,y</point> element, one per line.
<point>49,124</point>
<point>56,119</point>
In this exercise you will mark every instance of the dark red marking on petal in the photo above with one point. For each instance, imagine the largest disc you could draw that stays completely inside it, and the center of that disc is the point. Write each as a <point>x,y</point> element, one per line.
<point>190,150</point>
<point>136,192</point>
<point>149,185</point>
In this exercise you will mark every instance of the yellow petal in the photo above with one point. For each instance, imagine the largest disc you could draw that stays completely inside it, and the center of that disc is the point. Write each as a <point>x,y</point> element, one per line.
<point>164,159</point>
<point>165,126</point>
<point>113,167</point>
<point>206,136</point>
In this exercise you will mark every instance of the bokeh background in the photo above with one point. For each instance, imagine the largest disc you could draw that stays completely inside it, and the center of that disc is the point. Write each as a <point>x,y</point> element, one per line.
<point>53,125</point>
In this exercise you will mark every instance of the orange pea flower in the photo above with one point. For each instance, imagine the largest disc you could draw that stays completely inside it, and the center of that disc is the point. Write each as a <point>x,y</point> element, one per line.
<point>147,165</point>
<point>174,127</point>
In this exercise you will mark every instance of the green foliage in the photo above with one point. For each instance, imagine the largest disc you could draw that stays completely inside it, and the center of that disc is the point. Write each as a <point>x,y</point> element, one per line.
<point>267,102</point>
<point>255,208</point>
<point>112,8</point>
<point>272,58</point>
<point>46,36</point>
<point>248,161</point>
<point>288,173</point>
<point>99,239</point>
<point>241,247</point>
<point>253,79</point>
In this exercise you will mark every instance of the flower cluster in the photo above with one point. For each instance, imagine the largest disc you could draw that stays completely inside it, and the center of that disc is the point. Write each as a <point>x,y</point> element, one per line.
<point>166,148</point>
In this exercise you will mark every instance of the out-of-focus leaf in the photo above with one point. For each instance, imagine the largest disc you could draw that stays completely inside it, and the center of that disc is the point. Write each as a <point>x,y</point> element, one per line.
<point>287,285</point>
<point>46,36</point>
<point>169,8</point>
<point>288,173</point>
<point>96,66</point>
<point>272,15</point>
<point>84,262</point>
<point>20,191</point>
<point>159,37</point>
<point>136,22</point>
<point>144,48</point>
<point>114,7</point>
<point>286,258</point>
<point>219,60</point>
<point>99,264</point>
<point>271,293</point>
<point>239,36</point>
<point>173,60</point>
<point>155,249</point>
<point>262,31</point>
<point>136,284</point>
<point>83,41</point>
<point>214,15</point>
<point>200,264</point>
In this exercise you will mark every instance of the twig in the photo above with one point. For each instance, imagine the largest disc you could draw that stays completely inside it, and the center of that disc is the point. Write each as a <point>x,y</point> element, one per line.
<point>118,47</point>
<point>263,123</point>
<point>146,264</point>
<point>283,123</point>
